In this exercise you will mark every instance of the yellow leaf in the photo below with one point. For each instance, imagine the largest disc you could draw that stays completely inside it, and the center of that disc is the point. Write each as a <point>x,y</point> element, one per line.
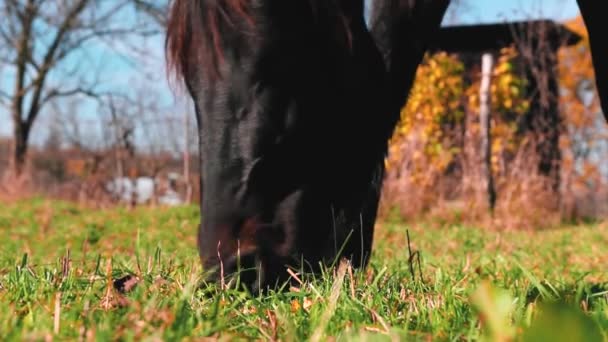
<point>295,306</point>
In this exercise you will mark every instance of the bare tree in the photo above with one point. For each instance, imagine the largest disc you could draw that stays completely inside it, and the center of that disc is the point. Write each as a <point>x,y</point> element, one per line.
<point>41,40</point>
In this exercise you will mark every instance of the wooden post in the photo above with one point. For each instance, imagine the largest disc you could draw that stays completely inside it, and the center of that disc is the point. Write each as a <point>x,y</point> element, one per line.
<point>487,186</point>
<point>188,199</point>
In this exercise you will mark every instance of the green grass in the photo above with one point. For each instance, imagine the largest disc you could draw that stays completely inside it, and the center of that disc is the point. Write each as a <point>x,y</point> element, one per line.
<point>58,262</point>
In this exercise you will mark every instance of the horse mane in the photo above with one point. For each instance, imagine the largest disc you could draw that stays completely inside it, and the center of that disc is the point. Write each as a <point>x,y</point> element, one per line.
<point>194,33</point>
<point>195,30</point>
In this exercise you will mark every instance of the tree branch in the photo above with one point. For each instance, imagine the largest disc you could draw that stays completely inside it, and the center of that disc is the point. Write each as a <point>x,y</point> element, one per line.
<point>55,93</point>
<point>155,12</point>
<point>95,34</point>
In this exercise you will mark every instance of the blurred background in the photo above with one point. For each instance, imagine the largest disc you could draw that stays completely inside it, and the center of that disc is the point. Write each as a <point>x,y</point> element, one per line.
<point>503,122</point>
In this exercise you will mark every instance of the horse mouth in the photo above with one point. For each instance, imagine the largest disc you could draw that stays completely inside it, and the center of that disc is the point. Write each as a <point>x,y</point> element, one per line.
<point>251,250</point>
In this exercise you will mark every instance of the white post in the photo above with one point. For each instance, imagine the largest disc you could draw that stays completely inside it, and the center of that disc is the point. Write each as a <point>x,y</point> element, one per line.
<point>187,156</point>
<point>487,64</point>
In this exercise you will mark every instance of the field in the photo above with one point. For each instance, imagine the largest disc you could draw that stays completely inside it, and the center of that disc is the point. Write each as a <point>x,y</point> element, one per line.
<point>61,268</point>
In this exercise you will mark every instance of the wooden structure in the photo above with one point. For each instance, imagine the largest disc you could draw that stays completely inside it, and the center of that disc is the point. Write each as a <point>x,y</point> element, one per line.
<point>537,43</point>
<point>492,37</point>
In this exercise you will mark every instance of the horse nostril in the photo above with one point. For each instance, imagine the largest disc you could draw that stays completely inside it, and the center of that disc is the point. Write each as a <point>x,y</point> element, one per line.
<point>234,271</point>
<point>245,252</point>
<point>249,228</point>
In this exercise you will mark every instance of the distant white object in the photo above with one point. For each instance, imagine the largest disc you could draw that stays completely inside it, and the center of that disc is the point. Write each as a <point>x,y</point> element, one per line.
<point>170,198</point>
<point>143,190</point>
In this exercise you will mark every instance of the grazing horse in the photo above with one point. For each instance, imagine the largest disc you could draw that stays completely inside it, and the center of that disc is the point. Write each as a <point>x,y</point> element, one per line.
<point>295,102</point>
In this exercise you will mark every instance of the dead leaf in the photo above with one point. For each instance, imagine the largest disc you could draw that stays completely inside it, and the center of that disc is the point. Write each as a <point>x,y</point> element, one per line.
<point>307,304</point>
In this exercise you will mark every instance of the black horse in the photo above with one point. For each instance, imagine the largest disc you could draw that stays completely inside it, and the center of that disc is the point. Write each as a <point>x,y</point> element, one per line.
<point>295,103</point>
<point>593,16</point>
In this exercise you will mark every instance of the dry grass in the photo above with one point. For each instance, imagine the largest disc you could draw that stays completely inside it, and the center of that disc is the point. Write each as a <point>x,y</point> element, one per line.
<point>416,189</point>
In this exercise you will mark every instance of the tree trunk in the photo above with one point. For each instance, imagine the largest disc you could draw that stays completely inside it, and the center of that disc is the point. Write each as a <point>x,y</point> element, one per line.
<point>20,143</point>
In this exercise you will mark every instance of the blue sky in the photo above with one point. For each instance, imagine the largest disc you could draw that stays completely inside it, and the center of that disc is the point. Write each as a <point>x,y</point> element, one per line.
<point>488,11</point>
<point>121,74</point>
